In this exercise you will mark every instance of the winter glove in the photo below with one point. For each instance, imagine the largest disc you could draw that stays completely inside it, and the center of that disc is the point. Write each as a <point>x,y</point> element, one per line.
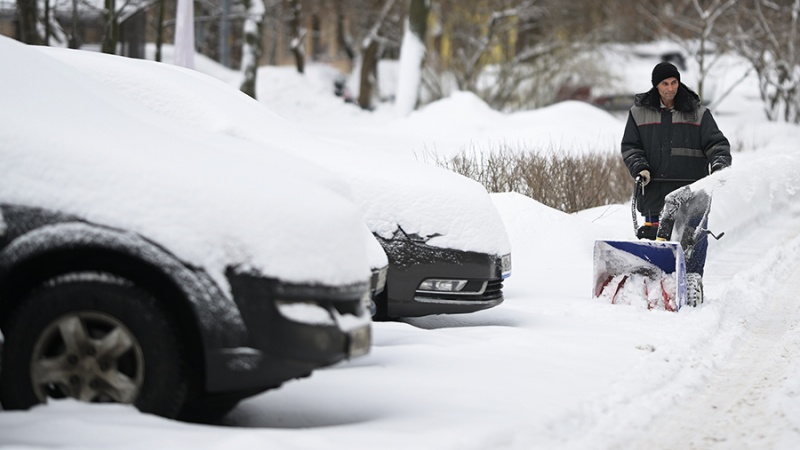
<point>716,167</point>
<point>719,163</point>
<point>645,174</point>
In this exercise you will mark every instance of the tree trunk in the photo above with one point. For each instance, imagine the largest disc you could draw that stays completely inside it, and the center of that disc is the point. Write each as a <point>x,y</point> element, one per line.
<point>297,36</point>
<point>253,48</point>
<point>46,22</point>
<point>184,34</point>
<point>277,11</point>
<point>344,40</point>
<point>112,28</point>
<point>412,56</point>
<point>160,29</point>
<point>28,18</point>
<point>74,41</point>
<point>369,66</point>
<point>369,59</point>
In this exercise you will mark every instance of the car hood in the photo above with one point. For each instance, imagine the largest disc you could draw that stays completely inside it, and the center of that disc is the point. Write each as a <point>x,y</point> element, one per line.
<point>436,205</point>
<point>72,145</point>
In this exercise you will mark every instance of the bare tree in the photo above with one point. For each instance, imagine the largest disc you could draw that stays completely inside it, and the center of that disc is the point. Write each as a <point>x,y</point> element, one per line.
<point>768,36</point>
<point>692,24</point>
<point>475,40</point>
<point>515,54</point>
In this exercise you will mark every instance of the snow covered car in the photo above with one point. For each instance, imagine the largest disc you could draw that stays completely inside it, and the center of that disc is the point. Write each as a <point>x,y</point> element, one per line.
<point>140,263</point>
<point>447,246</point>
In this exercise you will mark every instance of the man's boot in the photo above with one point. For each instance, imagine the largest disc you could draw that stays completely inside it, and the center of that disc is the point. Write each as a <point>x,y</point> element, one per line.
<point>694,289</point>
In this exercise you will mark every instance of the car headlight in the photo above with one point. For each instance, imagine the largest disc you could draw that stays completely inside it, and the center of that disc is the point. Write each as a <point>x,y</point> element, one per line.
<point>440,285</point>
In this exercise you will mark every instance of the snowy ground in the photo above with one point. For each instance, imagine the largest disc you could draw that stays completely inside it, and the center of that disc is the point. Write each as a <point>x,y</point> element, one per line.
<point>550,367</point>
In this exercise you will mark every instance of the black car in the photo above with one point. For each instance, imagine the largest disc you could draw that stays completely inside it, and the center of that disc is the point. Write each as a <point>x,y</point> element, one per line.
<point>102,314</point>
<point>424,280</point>
<point>154,265</point>
<point>400,198</point>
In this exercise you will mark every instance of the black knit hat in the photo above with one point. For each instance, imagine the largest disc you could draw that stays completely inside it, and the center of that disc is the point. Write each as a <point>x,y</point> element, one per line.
<point>664,70</point>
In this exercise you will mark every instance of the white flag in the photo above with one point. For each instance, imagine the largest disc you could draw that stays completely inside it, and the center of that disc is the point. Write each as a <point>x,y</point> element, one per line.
<point>184,34</point>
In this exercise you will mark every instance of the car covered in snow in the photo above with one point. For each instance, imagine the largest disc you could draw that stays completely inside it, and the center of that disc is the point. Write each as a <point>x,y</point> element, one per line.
<point>146,262</point>
<point>447,246</point>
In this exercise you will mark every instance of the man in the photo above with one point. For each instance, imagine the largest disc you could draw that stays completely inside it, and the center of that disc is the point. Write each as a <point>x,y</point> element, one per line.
<point>670,141</point>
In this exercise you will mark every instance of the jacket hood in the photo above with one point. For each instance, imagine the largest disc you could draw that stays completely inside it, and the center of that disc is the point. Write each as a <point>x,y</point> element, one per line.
<point>685,101</point>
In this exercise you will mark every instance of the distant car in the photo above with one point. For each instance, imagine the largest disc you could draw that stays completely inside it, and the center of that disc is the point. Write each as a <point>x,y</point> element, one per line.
<point>447,246</point>
<point>140,263</point>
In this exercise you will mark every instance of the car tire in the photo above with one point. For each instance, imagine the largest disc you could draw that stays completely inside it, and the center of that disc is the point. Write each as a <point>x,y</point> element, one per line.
<point>100,340</point>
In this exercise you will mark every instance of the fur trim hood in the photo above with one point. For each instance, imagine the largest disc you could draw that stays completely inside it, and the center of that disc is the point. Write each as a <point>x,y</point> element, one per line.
<point>685,101</point>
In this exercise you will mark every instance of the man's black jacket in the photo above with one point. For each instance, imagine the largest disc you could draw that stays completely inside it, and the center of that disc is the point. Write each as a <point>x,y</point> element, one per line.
<point>682,143</point>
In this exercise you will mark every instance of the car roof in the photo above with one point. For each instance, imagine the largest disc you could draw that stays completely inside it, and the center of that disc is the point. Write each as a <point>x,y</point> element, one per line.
<point>73,145</point>
<point>391,191</point>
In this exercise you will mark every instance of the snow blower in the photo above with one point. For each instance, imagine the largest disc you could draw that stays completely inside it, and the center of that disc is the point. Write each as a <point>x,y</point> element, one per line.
<point>653,273</point>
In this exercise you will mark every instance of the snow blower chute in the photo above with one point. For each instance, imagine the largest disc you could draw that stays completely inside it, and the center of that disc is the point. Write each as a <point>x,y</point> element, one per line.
<point>653,273</point>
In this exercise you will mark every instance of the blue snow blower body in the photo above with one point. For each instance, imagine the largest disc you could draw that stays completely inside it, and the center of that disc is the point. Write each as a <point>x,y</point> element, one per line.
<point>653,273</point>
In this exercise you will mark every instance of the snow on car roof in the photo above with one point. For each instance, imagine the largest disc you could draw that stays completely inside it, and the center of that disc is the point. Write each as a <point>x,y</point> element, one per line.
<point>72,145</point>
<point>422,199</point>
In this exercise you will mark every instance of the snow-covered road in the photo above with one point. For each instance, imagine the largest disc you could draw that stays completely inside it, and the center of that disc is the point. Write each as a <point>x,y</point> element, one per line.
<point>741,405</point>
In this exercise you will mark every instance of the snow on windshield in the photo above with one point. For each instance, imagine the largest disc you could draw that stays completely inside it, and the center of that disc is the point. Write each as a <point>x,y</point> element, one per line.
<point>422,199</point>
<point>75,147</point>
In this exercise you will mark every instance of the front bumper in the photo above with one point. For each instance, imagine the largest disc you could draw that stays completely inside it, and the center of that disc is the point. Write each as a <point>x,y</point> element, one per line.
<point>413,261</point>
<point>292,330</point>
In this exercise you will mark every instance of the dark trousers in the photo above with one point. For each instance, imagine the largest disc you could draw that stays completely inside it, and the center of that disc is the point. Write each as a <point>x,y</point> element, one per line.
<point>697,259</point>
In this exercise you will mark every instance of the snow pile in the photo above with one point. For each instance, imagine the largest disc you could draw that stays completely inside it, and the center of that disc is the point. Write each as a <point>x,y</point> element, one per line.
<point>553,243</point>
<point>391,191</point>
<point>71,146</point>
<point>744,195</point>
<point>448,126</point>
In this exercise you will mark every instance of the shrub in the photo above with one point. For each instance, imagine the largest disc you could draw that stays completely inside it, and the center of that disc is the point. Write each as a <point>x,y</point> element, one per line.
<point>565,180</point>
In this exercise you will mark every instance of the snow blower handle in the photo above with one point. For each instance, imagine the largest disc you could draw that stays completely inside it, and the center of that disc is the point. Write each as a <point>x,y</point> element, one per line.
<point>639,186</point>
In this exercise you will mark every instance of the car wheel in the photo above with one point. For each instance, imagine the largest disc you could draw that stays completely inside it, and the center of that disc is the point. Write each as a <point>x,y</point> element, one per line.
<point>94,341</point>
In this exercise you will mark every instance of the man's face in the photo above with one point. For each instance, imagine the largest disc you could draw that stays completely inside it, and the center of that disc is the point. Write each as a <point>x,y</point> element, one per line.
<point>667,89</point>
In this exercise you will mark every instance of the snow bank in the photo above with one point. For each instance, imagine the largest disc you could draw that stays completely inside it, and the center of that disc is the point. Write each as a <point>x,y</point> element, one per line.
<point>745,195</point>
<point>565,126</point>
<point>78,148</point>
<point>554,243</point>
<point>391,191</point>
